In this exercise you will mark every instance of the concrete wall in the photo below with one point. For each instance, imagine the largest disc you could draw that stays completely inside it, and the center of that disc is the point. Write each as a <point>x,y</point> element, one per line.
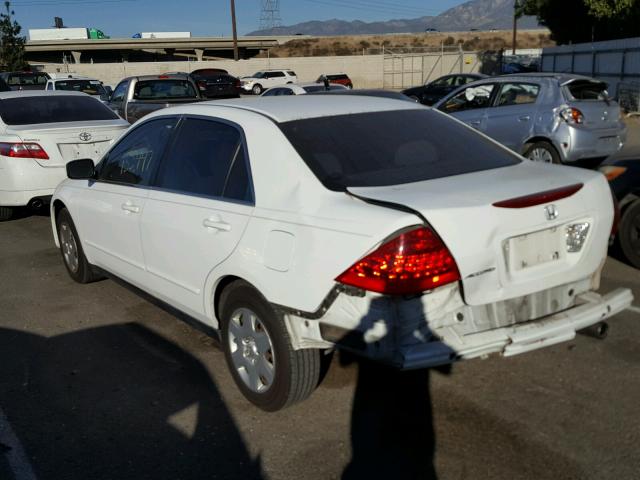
<point>365,71</point>
<point>614,61</point>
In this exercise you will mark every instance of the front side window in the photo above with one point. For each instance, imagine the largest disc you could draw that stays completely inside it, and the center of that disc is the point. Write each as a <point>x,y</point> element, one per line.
<point>120,92</point>
<point>258,75</point>
<point>517,94</point>
<point>469,99</point>
<point>207,159</point>
<point>391,148</point>
<point>135,159</point>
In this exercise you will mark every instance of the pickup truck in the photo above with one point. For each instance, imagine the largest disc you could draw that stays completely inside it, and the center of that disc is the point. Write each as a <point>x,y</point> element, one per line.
<point>135,97</point>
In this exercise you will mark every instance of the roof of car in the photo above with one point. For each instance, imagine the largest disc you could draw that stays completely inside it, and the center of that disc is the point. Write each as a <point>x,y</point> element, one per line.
<point>38,93</point>
<point>561,77</point>
<point>312,106</point>
<point>162,76</point>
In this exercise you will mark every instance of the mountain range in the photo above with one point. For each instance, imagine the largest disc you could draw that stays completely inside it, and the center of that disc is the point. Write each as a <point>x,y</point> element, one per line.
<point>475,14</point>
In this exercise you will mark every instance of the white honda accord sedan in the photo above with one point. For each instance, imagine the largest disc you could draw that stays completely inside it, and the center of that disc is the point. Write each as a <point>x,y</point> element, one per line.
<point>40,132</point>
<point>368,224</point>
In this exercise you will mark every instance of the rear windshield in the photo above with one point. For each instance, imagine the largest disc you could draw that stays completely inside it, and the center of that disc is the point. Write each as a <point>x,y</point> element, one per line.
<point>391,148</point>
<point>21,79</point>
<point>53,109</point>
<point>587,90</point>
<point>163,89</point>
<point>90,87</point>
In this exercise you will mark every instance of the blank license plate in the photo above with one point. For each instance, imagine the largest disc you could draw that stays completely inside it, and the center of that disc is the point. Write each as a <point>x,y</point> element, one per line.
<point>537,248</point>
<point>73,151</point>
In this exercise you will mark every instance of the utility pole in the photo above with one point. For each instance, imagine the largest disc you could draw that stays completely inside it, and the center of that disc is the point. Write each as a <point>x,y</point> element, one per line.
<point>515,26</point>
<point>235,32</point>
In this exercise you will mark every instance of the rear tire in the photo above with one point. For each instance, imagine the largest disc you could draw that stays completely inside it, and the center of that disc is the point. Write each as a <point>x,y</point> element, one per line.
<point>629,234</point>
<point>257,89</point>
<point>76,263</point>
<point>5,213</point>
<point>264,365</point>
<point>542,152</point>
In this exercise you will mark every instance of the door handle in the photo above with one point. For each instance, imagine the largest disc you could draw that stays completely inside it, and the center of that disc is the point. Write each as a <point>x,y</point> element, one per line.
<point>524,118</point>
<point>129,207</point>
<point>217,224</point>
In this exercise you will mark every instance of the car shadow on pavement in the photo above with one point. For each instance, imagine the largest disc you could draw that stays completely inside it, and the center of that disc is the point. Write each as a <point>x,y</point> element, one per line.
<point>392,433</point>
<point>117,402</point>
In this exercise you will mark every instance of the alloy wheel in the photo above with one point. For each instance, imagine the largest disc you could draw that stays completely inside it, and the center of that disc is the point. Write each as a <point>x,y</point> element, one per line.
<point>69,247</point>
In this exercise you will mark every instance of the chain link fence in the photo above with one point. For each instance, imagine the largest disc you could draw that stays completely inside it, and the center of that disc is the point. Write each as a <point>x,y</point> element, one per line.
<point>629,97</point>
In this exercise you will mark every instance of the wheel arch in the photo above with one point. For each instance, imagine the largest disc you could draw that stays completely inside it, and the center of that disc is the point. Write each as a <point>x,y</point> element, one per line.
<point>56,206</point>
<point>542,138</point>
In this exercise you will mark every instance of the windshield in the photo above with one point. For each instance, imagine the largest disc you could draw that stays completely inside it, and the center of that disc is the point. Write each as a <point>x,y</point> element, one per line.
<point>90,87</point>
<point>53,109</point>
<point>27,79</point>
<point>163,89</point>
<point>391,148</point>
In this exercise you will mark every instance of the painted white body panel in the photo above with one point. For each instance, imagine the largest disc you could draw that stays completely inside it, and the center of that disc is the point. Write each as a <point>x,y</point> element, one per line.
<point>38,34</point>
<point>299,236</point>
<point>22,179</point>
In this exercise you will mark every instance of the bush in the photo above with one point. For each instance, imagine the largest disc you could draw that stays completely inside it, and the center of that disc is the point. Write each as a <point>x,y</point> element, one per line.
<point>449,41</point>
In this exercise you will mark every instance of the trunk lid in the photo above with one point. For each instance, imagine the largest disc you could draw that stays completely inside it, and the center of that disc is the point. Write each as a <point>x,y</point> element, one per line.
<point>64,142</point>
<point>505,253</point>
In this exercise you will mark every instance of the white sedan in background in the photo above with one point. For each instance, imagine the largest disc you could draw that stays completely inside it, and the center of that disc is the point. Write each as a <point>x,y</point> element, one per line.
<point>369,224</point>
<point>40,132</point>
<point>301,89</point>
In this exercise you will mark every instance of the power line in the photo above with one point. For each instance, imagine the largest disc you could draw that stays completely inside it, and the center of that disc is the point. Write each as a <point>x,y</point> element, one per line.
<point>270,14</point>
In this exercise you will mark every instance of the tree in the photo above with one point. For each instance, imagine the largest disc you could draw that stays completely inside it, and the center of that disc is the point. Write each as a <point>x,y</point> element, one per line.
<point>576,21</point>
<point>11,43</point>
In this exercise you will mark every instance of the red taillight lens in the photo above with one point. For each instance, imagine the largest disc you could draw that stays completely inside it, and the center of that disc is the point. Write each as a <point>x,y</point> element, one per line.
<point>237,83</point>
<point>412,262</point>
<point>23,150</point>
<point>572,115</point>
<point>202,85</point>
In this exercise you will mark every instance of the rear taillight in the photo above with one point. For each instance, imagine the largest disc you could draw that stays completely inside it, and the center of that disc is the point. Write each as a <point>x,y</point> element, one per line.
<point>202,86</point>
<point>23,150</point>
<point>612,172</point>
<point>411,262</point>
<point>572,115</point>
<point>237,83</point>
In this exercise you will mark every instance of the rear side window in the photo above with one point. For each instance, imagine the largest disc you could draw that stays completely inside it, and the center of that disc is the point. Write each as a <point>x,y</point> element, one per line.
<point>391,148</point>
<point>517,94</point>
<point>587,90</point>
<point>53,109</point>
<point>207,159</point>
<point>163,89</point>
<point>291,73</point>
<point>135,158</point>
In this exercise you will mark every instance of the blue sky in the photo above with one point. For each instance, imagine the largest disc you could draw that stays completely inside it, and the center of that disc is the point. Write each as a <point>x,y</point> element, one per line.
<point>123,18</point>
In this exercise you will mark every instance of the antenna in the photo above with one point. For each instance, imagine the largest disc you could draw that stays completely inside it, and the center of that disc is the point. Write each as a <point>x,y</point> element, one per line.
<point>270,14</point>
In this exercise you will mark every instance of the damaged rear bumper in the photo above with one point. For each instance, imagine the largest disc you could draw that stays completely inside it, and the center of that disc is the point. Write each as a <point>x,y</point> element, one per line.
<point>524,337</point>
<point>439,328</point>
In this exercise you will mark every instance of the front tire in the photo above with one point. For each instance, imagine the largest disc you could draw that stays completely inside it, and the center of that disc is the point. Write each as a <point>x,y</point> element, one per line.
<point>257,89</point>
<point>76,263</point>
<point>6,213</point>
<point>542,152</point>
<point>629,234</point>
<point>264,365</point>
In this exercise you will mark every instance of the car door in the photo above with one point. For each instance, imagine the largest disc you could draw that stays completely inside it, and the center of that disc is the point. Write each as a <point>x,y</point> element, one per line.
<point>470,104</point>
<point>197,211</point>
<point>510,120</point>
<point>110,207</point>
<point>117,101</point>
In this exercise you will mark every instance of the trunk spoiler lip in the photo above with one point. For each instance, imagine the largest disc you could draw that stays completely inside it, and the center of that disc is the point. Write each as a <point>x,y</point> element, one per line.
<point>540,198</point>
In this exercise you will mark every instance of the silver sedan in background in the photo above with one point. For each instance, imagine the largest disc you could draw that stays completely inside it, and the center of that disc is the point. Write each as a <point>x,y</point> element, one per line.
<point>548,117</point>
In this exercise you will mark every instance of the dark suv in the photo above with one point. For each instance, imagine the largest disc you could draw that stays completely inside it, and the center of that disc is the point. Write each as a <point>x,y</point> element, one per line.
<point>216,83</point>
<point>339,78</point>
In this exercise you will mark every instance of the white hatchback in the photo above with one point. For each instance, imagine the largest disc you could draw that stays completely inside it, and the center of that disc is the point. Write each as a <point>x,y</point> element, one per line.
<point>39,133</point>
<point>368,224</point>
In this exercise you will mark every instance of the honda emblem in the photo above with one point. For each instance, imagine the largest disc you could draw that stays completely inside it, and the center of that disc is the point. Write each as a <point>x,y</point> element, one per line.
<point>551,212</point>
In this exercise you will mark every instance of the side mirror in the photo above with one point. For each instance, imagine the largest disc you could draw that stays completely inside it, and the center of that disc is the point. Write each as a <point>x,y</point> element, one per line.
<point>83,169</point>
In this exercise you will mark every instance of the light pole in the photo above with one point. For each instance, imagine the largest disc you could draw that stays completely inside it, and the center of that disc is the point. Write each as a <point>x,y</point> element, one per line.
<point>516,5</point>
<point>235,32</point>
